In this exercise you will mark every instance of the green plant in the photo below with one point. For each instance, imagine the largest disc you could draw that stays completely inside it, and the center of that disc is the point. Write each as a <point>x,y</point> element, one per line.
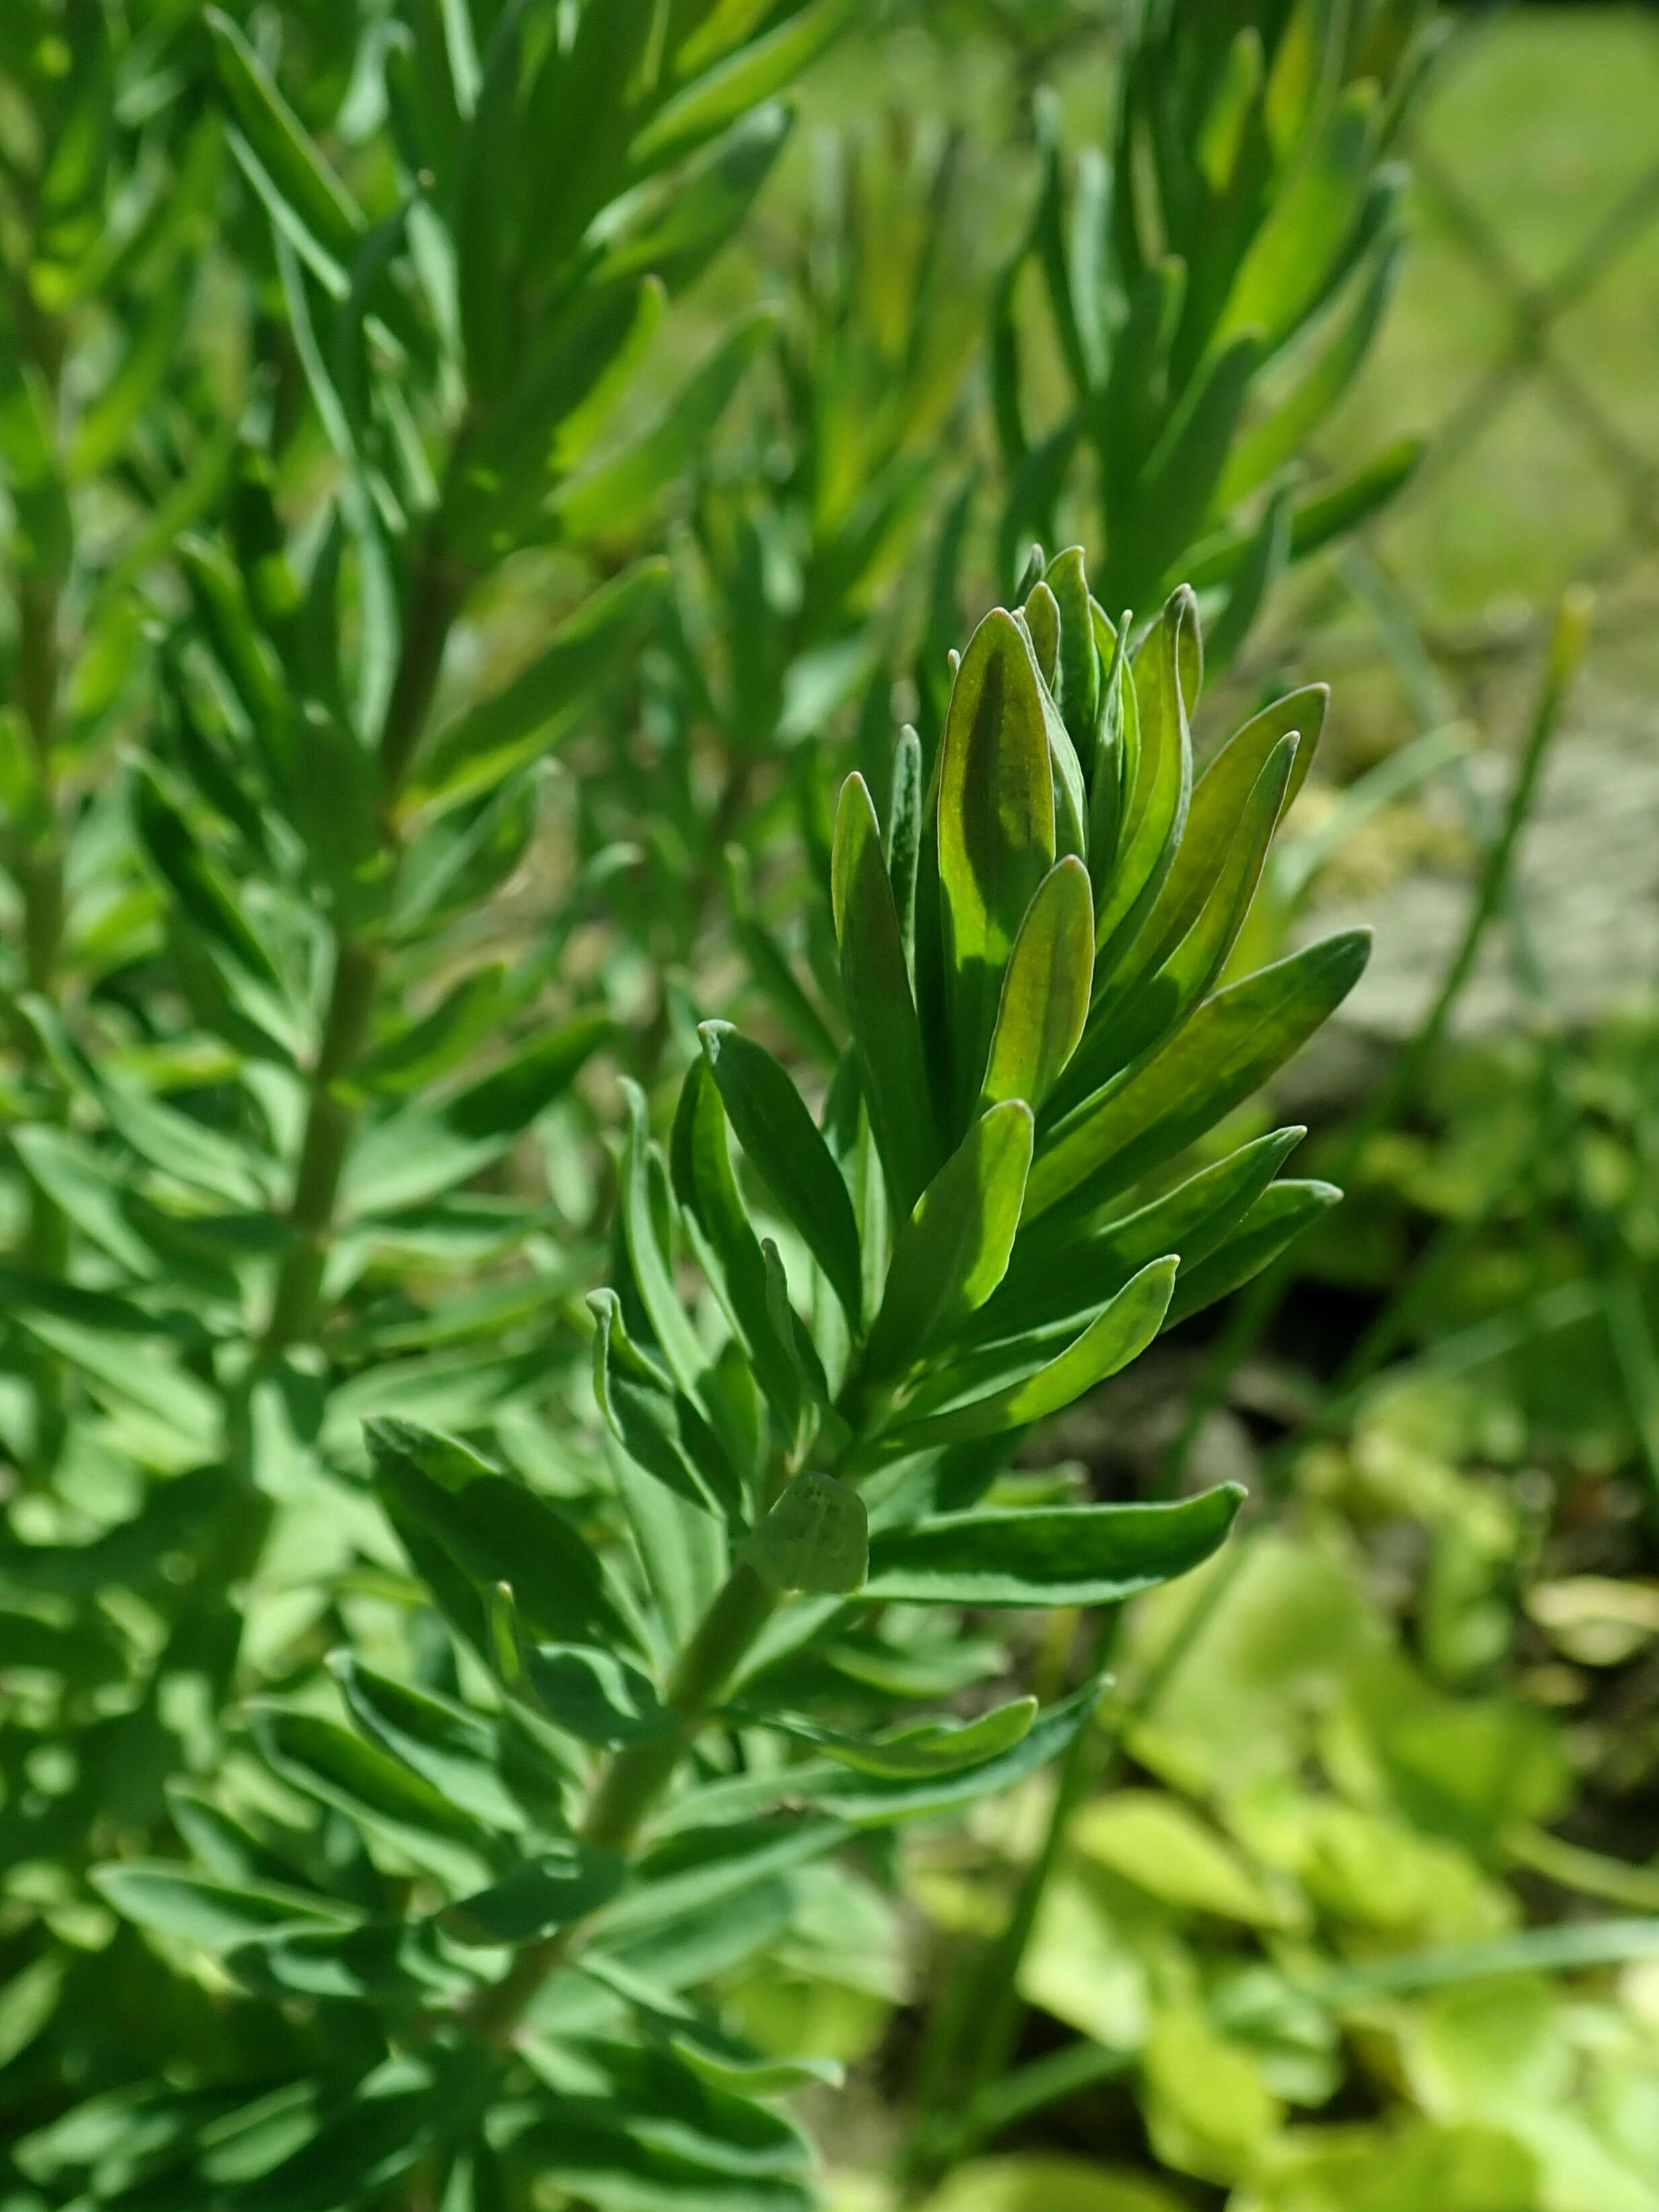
<point>794,590</point>
<point>259,1054</point>
<point>475,1937</point>
<point>1214,279</point>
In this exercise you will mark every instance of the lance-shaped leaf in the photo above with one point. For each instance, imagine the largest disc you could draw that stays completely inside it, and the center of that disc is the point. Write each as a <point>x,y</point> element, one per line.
<point>467,1527</point>
<point>338,1768</point>
<point>904,836</point>
<point>1235,1041</point>
<point>1287,263</point>
<point>876,979</point>
<point>1277,1218</point>
<point>566,1882</point>
<point>594,1695</point>
<point>1119,1332</point>
<point>953,1251</point>
<point>996,830</point>
<point>1268,444</point>
<point>878,1801</point>
<point>815,1538</point>
<point>1078,693</point>
<point>1049,1555</point>
<point>728,1251</point>
<point>670,1324</point>
<point>788,1154</point>
<point>1057,1275</point>
<point>317,203</point>
<point>1129,1022</point>
<point>738,81</point>
<point>930,1748</point>
<point>656,1425</point>
<point>610,499</point>
<point>1045,990</point>
<point>452,1748</point>
<point>1156,810</point>
<point>481,748</point>
<point>1218,800</point>
<point>1183,469</point>
<point>174,1899</point>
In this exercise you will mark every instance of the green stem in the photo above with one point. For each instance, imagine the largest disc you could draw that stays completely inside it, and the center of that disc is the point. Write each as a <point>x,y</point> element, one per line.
<point>329,1124</point>
<point>437,589</point>
<point>635,1778</point>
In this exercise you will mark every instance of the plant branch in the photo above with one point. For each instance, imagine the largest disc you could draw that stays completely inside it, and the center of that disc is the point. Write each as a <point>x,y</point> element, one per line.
<point>437,589</point>
<point>634,1779</point>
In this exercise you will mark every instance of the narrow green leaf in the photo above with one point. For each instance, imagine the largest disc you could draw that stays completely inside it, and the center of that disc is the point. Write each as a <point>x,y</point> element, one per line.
<point>1078,693</point>
<point>758,2077</point>
<point>657,1425</point>
<point>1218,800</point>
<point>676,227</point>
<point>610,500</point>
<point>540,706</point>
<point>739,83</point>
<point>1278,1216</point>
<point>1131,1021</point>
<point>875,977</point>
<point>788,1154</point>
<point>421,1051</point>
<point>566,1882</point>
<point>932,1748</point>
<point>1045,990</point>
<point>1285,269</point>
<point>1155,812</point>
<point>1283,433</point>
<point>88,1187</point>
<point>878,1802</point>
<point>815,1538</point>
<point>996,830</point>
<point>1058,1276</point>
<point>1235,1041</point>
<point>1121,1332</point>
<point>1043,1555</point>
<point>728,1251</point>
<point>446,1744</point>
<point>595,1696</point>
<point>953,1251</point>
<point>284,148</point>
<point>670,1324</point>
<point>453,1509</point>
<point>1181,475</point>
<point>905,838</point>
<point>176,1900</point>
<point>330,1764</point>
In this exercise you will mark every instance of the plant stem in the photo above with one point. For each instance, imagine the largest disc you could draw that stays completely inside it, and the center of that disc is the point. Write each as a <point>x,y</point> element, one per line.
<point>329,1124</point>
<point>437,589</point>
<point>635,1778</point>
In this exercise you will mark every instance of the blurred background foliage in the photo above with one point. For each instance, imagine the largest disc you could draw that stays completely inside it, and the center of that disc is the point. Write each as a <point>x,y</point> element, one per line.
<point>1356,1904</point>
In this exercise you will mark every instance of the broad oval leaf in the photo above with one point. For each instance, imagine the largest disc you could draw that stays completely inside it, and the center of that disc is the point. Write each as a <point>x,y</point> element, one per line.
<point>815,1538</point>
